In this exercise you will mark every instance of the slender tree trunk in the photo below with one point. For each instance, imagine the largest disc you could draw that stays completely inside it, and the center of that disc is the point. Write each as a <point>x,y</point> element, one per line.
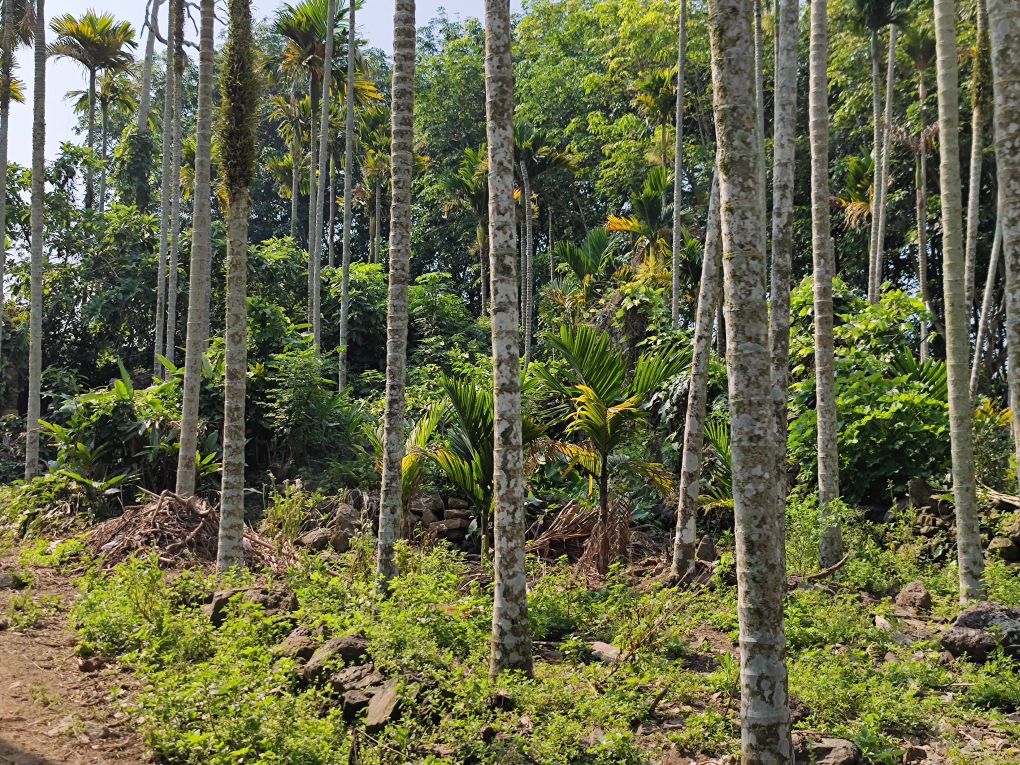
<point>170,351</point>
<point>6,69</point>
<point>759,101</point>
<point>552,246</point>
<point>758,521</point>
<point>295,170</point>
<point>166,189</point>
<point>199,287</point>
<point>968,539</point>
<point>876,153</point>
<point>322,176</point>
<point>511,636</point>
<point>402,164</point>
<point>145,75</point>
<point>1004,28</point>
<point>483,266</point>
<point>331,257</point>
<point>987,301</point>
<point>697,393</point>
<point>90,140</point>
<point>605,553</point>
<point>875,291</point>
<point>922,214</point>
<point>105,145</point>
<point>784,137</point>
<point>237,137</point>
<point>32,465</point>
<point>376,247</point>
<point>831,545</point>
<point>526,262</point>
<point>678,164</point>
<point>978,117</point>
<point>349,127</point>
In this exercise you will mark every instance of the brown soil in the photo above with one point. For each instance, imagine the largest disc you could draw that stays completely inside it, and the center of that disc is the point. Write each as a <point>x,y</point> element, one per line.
<point>52,711</point>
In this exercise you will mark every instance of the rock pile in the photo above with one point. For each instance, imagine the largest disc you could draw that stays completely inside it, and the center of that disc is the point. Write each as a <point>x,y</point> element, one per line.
<point>448,519</point>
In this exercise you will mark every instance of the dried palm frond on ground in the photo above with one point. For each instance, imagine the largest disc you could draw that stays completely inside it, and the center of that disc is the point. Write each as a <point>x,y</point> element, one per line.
<point>179,531</point>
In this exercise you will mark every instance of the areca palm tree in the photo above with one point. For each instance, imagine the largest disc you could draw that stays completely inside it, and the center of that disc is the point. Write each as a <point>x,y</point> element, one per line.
<point>468,188</point>
<point>968,535</point>
<point>374,138</point>
<point>655,98</point>
<point>115,92</point>
<point>294,118</point>
<point>981,97</point>
<point>602,405</point>
<point>650,219</point>
<point>35,320</point>
<point>17,20</point>
<point>874,15</point>
<point>98,43</point>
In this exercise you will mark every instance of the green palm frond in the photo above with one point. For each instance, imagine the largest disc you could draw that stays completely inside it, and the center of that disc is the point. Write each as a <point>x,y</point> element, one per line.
<point>97,42</point>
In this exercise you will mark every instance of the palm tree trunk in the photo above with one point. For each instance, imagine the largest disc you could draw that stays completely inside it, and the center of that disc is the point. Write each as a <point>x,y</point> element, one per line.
<point>377,236</point>
<point>345,276</point>
<point>784,138</point>
<point>987,301</point>
<point>552,246</point>
<point>1004,27</point>
<point>322,175</point>
<point>511,636</point>
<point>978,117</point>
<point>922,214</point>
<point>166,189</point>
<point>331,256</point>
<point>758,520</point>
<point>295,171</point>
<point>604,553</point>
<point>90,140</point>
<point>6,68</point>
<point>483,267</point>
<point>526,262</point>
<point>237,137</point>
<point>105,150</point>
<point>145,75</point>
<point>678,164</point>
<point>38,232</point>
<point>402,164</point>
<point>882,192</point>
<point>759,100</point>
<point>876,153</point>
<point>201,256</point>
<point>697,393</point>
<point>831,545</point>
<point>170,351</point>
<point>968,539</point>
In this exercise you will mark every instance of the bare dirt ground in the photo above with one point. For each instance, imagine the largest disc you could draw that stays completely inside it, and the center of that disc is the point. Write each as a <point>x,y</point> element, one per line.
<point>54,711</point>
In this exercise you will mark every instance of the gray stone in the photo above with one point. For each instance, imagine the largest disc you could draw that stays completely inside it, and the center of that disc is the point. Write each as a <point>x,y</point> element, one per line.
<point>914,595</point>
<point>354,703</point>
<point>298,646</point>
<point>356,678</point>
<point>456,503</point>
<point>350,649</point>
<point>1004,548</point>
<point>706,550</point>
<point>604,652</point>
<point>273,601</point>
<point>384,706</point>
<point>825,751</point>
<point>316,539</point>
<point>459,515</point>
<point>981,629</point>
<point>433,502</point>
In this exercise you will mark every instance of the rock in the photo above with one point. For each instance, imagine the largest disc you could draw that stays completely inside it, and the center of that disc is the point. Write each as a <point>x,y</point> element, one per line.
<point>316,539</point>
<point>914,753</point>
<point>1012,530</point>
<point>919,492</point>
<point>604,652</point>
<point>825,751</point>
<point>354,703</point>
<point>892,630</point>
<point>7,581</point>
<point>272,600</point>
<point>1004,548</point>
<point>356,678</point>
<point>432,502</point>
<point>915,596</point>
<point>706,550</point>
<point>298,646</point>
<point>979,630</point>
<point>455,528</point>
<point>452,514</point>
<point>350,649</point>
<point>384,706</point>
<point>93,663</point>
<point>456,503</point>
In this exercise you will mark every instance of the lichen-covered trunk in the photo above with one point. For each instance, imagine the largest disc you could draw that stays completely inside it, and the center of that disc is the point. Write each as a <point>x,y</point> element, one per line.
<point>527,278</point>
<point>199,287</point>
<point>678,166</point>
<point>401,162</point>
<point>145,73</point>
<point>349,137</point>
<point>978,117</point>
<point>1004,34</point>
<point>90,143</point>
<point>483,268</point>
<point>830,541</point>
<point>758,519</point>
<point>6,68</point>
<point>37,223</point>
<point>377,232</point>
<point>331,237</point>
<point>968,539</point>
<point>697,392</point>
<point>987,302</point>
<point>784,136</point>
<point>321,177</point>
<point>237,130</point>
<point>511,636</point>
<point>167,185</point>
<point>759,101</point>
<point>170,351</point>
<point>882,191</point>
<point>876,150</point>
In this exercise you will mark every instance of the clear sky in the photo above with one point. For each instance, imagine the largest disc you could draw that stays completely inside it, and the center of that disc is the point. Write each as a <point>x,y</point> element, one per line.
<point>375,23</point>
